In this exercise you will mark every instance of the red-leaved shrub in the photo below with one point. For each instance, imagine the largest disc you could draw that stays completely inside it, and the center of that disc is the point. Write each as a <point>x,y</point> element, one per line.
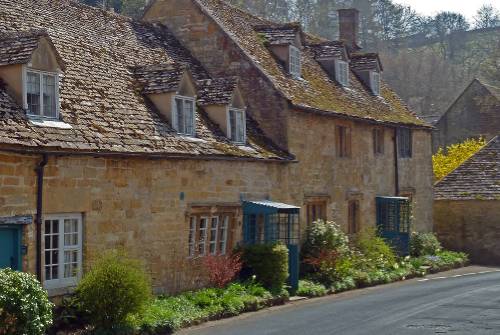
<point>222,269</point>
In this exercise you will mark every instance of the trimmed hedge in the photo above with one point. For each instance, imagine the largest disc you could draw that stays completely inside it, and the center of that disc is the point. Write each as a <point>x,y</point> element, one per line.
<point>268,263</point>
<point>24,305</point>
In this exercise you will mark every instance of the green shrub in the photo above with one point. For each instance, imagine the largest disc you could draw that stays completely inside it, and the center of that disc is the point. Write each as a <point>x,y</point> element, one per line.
<point>374,252</point>
<point>269,263</point>
<point>323,236</point>
<point>112,290</point>
<point>424,244</point>
<point>310,289</point>
<point>24,304</point>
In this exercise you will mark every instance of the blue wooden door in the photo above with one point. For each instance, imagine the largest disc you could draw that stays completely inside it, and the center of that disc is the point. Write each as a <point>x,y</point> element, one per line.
<point>10,248</point>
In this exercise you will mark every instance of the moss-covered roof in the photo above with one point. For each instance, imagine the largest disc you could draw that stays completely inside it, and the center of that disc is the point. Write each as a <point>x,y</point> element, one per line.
<point>315,90</point>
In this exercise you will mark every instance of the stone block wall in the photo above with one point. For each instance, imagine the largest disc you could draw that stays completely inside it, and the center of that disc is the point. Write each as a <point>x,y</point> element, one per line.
<point>471,226</point>
<point>363,176</point>
<point>136,204</point>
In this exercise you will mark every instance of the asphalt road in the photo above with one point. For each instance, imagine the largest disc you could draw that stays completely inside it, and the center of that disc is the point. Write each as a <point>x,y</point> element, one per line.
<point>456,302</point>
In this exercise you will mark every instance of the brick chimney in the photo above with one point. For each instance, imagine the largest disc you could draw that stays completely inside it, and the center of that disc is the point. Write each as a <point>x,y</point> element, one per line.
<point>349,27</point>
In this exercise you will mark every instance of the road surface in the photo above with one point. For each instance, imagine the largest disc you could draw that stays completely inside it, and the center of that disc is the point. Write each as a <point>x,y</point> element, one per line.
<point>465,301</point>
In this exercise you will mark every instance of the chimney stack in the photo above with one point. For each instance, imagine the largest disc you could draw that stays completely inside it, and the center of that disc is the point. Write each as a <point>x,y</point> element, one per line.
<point>349,27</point>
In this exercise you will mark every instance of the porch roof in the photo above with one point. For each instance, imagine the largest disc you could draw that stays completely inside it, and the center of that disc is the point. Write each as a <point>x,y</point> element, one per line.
<point>269,207</point>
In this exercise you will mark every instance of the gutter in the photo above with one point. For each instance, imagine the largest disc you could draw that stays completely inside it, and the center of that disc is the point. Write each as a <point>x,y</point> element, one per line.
<point>40,168</point>
<point>152,156</point>
<point>396,165</point>
<point>359,118</point>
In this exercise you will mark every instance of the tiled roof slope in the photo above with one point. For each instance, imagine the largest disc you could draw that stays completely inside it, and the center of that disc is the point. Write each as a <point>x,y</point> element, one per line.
<point>493,89</point>
<point>477,178</point>
<point>316,91</point>
<point>100,96</point>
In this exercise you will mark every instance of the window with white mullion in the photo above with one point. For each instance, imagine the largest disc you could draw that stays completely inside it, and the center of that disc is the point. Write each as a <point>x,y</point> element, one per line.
<point>375,82</point>
<point>62,250</point>
<point>223,235</point>
<point>237,123</point>
<point>41,94</point>
<point>184,115</point>
<point>202,238</point>
<point>294,61</point>
<point>192,236</point>
<point>342,72</point>
<point>214,226</point>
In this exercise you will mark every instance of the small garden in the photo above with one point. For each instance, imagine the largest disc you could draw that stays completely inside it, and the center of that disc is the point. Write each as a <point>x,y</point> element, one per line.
<point>115,296</point>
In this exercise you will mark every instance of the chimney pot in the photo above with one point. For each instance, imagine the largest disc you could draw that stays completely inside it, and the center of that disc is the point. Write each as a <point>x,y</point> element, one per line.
<point>349,27</point>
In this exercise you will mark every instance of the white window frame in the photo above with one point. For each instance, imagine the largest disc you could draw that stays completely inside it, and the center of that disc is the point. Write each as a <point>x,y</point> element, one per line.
<point>294,61</point>
<point>193,223</point>
<point>62,282</point>
<point>206,230</point>
<point>175,117</point>
<point>375,82</point>
<point>243,127</point>
<point>342,72</point>
<point>223,235</point>
<point>25,71</point>
<point>213,243</point>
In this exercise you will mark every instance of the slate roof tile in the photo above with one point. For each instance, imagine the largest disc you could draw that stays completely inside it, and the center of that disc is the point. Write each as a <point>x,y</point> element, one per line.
<point>329,49</point>
<point>477,178</point>
<point>365,61</point>
<point>100,95</point>
<point>278,34</point>
<point>218,91</point>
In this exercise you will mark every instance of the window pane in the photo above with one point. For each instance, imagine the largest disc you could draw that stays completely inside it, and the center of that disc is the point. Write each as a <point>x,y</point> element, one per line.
<point>223,235</point>
<point>180,116</point>
<point>241,127</point>
<point>232,122</point>
<point>202,236</point>
<point>189,116</point>
<point>49,95</point>
<point>33,93</point>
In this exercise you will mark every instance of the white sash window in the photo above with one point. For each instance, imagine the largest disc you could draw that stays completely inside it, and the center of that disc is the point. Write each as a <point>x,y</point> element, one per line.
<point>62,250</point>
<point>41,97</point>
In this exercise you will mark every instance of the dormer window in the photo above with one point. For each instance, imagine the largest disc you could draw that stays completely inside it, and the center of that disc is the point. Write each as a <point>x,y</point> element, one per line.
<point>375,82</point>
<point>342,72</point>
<point>237,125</point>
<point>294,61</point>
<point>42,94</point>
<point>184,117</point>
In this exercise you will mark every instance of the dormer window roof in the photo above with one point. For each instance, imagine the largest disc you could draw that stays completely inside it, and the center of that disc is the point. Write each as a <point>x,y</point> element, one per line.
<point>35,68</point>
<point>160,78</point>
<point>19,47</point>
<point>285,42</point>
<point>173,90</point>
<point>223,102</point>
<point>332,55</point>
<point>368,67</point>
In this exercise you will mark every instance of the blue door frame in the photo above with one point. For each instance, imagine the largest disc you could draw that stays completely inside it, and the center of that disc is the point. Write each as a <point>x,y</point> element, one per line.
<point>10,247</point>
<point>393,222</point>
<point>273,231</point>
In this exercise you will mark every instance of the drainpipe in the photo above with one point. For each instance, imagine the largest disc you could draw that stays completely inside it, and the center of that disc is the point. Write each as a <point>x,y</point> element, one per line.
<point>396,168</point>
<point>39,205</point>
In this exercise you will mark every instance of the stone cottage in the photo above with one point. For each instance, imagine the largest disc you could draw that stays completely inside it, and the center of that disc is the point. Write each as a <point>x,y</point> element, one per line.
<point>155,136</point>
<point>467,206</point>
<point>475,113</point>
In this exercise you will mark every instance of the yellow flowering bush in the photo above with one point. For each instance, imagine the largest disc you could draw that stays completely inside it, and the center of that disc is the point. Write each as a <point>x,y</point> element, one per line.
<point>445,161</point>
